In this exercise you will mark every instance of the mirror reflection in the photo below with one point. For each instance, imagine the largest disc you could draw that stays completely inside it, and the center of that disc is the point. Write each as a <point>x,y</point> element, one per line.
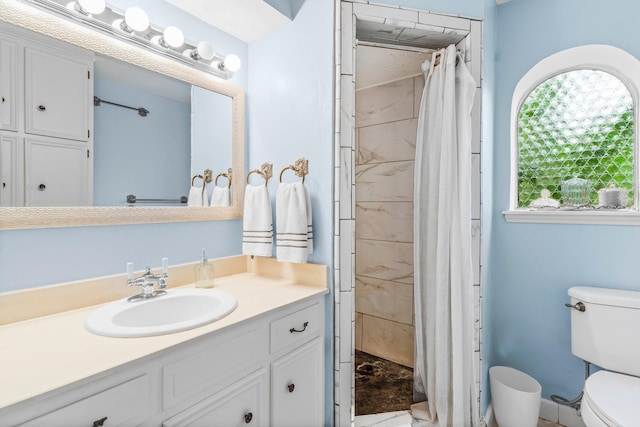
<point>93,142</point>
<point>187,130</point>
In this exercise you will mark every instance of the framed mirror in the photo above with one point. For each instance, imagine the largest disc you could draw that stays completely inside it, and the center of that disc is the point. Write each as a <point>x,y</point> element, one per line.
<point>108,205</point>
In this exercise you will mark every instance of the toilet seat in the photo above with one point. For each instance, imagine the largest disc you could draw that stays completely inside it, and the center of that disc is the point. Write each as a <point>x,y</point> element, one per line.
<point>612,398</point>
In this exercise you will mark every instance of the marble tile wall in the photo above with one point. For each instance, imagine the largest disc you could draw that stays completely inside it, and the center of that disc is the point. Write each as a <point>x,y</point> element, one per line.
<point>385,126</point>
<point>368,162</point>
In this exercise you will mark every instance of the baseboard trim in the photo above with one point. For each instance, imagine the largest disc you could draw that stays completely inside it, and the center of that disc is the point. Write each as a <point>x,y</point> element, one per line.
<point>549,410</point>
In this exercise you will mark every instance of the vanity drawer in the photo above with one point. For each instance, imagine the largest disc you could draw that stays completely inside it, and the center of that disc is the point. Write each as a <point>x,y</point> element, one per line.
<point>296,328</point>
<point>199,375</point>
<point>243,404</point>
<point>123,405</point>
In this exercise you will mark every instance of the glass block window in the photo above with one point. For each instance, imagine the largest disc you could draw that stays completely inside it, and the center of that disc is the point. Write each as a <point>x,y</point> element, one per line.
<point>576,124</point>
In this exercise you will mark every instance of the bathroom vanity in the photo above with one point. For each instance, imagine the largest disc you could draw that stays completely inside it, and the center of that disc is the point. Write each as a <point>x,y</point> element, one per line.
<point>261,365</point>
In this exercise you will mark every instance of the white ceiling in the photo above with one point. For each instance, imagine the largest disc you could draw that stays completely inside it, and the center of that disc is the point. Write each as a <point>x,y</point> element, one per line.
<point>247,20</point>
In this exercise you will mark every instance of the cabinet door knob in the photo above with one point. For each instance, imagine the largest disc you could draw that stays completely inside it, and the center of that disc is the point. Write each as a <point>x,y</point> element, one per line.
<point>3,99</point>
<point>248,417</point>
<point>41,187</point>
<point>304,327</point>
<point>100,422</point>
<point>41,107</point>
<point>291,387</point>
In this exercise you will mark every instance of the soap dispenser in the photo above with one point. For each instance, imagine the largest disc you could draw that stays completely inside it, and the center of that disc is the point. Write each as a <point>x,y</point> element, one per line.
<point>204,273</point>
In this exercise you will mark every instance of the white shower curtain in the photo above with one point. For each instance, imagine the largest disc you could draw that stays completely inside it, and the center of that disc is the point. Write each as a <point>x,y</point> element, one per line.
<point>443,287</point>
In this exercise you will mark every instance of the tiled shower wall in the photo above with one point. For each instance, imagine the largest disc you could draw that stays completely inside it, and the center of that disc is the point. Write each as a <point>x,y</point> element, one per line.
<point>386,124</point>
<point>347,13</point>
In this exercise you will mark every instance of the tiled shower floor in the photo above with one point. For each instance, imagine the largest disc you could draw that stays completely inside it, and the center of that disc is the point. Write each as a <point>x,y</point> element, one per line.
<point>385,388</point>
<point>382,385</point>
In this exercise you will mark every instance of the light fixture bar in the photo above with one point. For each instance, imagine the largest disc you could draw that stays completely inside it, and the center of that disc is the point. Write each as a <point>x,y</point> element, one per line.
<point>146,39</point>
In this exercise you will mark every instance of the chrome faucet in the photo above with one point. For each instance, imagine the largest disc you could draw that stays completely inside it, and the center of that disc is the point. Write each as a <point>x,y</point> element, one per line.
<point>147,281</point>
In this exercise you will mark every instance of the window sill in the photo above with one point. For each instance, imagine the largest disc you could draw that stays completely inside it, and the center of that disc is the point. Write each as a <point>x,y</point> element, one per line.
<point>602,217</point>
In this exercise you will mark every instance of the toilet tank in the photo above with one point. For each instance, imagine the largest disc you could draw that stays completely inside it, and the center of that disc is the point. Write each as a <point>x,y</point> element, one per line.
<point>607,332</point>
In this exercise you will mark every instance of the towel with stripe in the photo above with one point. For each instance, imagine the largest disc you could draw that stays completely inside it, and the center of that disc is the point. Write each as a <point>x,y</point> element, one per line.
<point>293,223</point>
<point>257,222</point>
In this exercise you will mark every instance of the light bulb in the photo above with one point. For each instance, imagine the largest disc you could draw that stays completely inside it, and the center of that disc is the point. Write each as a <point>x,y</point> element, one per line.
<point>231,63</point>
<point>87,7</point>
<point>204,50</point>
<point>173,36</point>
<point>135,19</point>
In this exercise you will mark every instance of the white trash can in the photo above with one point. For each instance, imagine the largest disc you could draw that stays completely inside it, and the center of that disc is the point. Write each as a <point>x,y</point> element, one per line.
<point>515,397</point>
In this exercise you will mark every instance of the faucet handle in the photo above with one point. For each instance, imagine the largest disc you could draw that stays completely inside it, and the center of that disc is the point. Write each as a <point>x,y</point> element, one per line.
<point>129,270</point>
<point>165,266</point>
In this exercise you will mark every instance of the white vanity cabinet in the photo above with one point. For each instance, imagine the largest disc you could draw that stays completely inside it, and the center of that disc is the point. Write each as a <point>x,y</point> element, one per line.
<point>297,372</point>
<point>296,387</point>
<point>56,172</point>
<point>122,405</point>
<point>243,404</point>
<point>9,98</point>
<point>11,172</point>
<point>289,346</point>
<point>266,370</point>
<point>47,105</point>
<point>58,92</point>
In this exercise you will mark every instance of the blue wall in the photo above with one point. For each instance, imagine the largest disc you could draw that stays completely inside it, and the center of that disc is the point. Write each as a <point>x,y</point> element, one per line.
<point>291,116</point>
<point>526,324</point>
<point>151,158</point>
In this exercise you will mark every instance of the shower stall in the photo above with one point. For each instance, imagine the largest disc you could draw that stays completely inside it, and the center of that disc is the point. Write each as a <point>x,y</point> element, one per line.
<point>379,89</point>
<point>388,89</point>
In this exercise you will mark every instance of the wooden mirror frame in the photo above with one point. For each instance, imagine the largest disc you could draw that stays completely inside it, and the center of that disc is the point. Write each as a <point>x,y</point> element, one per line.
<point>33,19</point>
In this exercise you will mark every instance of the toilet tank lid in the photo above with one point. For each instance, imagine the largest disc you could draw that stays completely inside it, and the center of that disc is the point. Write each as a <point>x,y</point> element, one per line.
<point>606,296</point>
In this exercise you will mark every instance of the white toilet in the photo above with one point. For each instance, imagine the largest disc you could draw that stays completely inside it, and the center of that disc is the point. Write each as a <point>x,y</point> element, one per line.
<point>605,331</point>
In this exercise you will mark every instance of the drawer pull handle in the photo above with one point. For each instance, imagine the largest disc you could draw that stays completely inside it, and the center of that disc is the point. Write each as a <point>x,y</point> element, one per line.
<point>41,107</point>
<point>291,387</point>
<point>248,417</point>
<point>304,327</point>
<point>100,422</point>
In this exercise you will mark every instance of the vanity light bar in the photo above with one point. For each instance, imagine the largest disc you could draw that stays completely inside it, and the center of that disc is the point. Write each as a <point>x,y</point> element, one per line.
<point>132,26</point>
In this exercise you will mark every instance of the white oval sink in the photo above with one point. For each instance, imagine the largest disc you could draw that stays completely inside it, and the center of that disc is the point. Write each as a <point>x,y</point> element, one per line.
<point>178,310</point>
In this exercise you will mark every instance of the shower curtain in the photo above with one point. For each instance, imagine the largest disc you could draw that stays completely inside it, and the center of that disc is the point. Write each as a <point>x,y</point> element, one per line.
<point>443,276</point>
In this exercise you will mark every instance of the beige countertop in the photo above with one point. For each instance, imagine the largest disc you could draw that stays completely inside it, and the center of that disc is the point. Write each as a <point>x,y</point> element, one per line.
<point>45,353</point>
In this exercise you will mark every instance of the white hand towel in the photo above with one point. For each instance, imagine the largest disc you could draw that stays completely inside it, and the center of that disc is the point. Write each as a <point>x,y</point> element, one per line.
<point>197,197</point>
<point>220,196</point>
<point>309,223</point>
<point>293,215</point>
<point>257,223</point>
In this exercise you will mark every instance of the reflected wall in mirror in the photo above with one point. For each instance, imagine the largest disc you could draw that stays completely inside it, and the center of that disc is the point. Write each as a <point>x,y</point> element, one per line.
<point>187,130</point>
<point>195,122</point>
